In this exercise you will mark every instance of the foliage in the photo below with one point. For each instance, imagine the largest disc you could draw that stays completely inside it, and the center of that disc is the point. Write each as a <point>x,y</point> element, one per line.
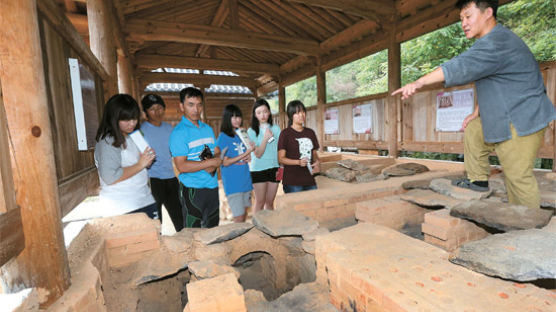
<point>305,91</point>
<point>368,75</point>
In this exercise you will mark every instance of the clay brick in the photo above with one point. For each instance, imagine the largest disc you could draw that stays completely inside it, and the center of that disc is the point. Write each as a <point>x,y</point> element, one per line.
<point>218,294</point>
<point>441,218</point>
<point>122,239</point>
<point>436,231</point>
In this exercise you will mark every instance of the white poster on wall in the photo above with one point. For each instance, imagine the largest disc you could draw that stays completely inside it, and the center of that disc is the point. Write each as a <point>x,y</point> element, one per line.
<point>452,108</point>
<point>331,125</point>
<point>362,118</point>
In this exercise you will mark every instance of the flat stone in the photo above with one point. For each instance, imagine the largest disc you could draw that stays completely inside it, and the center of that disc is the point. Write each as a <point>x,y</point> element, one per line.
<point>255,301</point>
<point>416,184</point>
<point>429,198</point>
<point>352,164</point>
<point>222,233</point>
<point>285,222</point>
<point>444,186</point>
<point>210,269</point>
<point>369,176</point>
<point>308,297</point>
<point>395,171</point>
<point>551,226</point>
<point>312,235</point>
<point>502,216</point>
<point>518,255</point>
<point>340,173</point>
<point>415,167</point>
<point>159,265</point>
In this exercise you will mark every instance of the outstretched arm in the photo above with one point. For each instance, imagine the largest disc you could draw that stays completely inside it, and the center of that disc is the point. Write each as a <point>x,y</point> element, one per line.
<point>409,89</point>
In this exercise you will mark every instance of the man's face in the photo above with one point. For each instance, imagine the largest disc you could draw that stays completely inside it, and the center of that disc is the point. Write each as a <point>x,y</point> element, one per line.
<point>155,113</point>
<point>192,108</point>
<point>474,21</point>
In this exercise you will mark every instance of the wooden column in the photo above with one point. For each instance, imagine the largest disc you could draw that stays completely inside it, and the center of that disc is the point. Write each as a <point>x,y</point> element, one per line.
<point>321,101</point>
<point>102,41</point>
<point>203,88</point>
<point>282,107</point>
<point>125,77</point>
<point>394,82</point>
<point>43,263</point>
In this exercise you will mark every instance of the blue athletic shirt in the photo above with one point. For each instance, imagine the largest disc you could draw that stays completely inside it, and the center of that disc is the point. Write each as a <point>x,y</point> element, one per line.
<point>235,177</point>
<point>189,140</point>
<point>158,138</point>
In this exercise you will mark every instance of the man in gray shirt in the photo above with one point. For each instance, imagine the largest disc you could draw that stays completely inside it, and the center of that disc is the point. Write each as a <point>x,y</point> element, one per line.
<point>514,108</point>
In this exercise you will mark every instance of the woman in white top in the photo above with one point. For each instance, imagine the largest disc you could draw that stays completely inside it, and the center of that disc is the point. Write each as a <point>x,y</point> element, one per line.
<point>121,166</point>
<point>264,160</point>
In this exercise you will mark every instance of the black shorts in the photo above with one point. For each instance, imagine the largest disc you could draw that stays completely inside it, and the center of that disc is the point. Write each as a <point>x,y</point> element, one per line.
<point>268,175</point>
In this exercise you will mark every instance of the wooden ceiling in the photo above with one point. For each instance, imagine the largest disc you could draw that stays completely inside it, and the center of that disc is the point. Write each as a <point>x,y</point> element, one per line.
<point>261,40</point>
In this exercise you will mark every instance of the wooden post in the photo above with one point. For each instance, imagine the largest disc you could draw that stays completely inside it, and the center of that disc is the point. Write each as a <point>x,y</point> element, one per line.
<point>43,263</point>
<point>282,106</point>
<point>394,82</point>
<point>125,77</point>
<point>102,41</point>
<point>203,88</point>
<point>321,101</point>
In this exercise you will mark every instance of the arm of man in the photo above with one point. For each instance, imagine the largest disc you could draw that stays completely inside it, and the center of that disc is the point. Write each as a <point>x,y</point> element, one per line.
<point>184,166</point>
<point>409,89</point>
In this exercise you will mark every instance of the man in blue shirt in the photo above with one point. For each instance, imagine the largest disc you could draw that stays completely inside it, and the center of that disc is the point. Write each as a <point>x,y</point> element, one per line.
<point>198,180</point>
<point>514,108</point>
<point>164,184</point>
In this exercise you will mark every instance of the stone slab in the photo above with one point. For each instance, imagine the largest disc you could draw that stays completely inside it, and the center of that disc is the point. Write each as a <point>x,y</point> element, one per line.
<point>285,222</point>
<point>341,173</point>
<point>429,198</point>
<point>373,268</point>
<point>502,216</point>
<point>518,255</point>
<point>222,293</point>
<point>311,235</point>
<point>222,233</point>
<point>444,186</point>
<point>210,269</point>
<point>352,164</point>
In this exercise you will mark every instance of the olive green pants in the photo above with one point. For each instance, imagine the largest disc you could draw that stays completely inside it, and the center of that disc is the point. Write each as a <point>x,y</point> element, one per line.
<point>517,157</point>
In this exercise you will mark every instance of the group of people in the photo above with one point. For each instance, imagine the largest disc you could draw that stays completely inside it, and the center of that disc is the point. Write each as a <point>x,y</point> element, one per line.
<point>512,116</point>
<point>254,159</point>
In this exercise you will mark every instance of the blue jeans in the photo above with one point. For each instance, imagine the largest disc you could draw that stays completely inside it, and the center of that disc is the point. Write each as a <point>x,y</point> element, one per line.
<point>298,188</point>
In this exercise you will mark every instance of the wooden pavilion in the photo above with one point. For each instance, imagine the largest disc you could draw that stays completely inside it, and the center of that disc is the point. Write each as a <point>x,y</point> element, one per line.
<point>128,45</point>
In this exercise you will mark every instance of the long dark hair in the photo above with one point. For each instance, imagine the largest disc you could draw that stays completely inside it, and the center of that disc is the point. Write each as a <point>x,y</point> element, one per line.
<point>293,108</point>
<point>254,121</point>
<point>229,112</point>
<point>119,107</point>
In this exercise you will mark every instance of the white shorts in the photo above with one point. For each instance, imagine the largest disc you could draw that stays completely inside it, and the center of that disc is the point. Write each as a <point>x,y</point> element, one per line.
<point>238,202</point>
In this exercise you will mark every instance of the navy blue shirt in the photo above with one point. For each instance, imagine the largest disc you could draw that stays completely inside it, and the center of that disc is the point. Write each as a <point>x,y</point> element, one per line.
<point>510,88</point>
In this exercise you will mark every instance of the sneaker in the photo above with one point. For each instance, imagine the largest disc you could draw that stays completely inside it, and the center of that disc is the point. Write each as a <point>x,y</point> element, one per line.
<point>467,184</point>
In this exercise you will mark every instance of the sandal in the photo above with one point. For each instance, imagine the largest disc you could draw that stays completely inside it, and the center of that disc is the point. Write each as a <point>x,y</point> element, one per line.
<point>467,184</point>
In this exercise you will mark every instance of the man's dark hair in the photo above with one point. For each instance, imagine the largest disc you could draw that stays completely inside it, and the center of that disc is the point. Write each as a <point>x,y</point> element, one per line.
<point>119,107</point>
<point>254,121</point>
<point>293,108</point>
<point>481,4</point>
<point>229,112</point>
<point>190,92</point>
<point>150,100</point>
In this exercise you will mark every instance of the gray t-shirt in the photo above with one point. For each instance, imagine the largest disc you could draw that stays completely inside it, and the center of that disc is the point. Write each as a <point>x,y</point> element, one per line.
<point>108,160</point>
<point>510,88</point>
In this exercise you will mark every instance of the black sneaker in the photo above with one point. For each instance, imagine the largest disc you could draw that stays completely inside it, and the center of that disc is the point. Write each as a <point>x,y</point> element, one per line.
<point>467,184</point>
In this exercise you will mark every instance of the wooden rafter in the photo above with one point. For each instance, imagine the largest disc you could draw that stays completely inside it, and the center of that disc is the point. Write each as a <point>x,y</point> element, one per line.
<point>141,30</point>
<point>156,61</point>
<point>217,21</point>
<point>195,79</point>
<point>374,10</point>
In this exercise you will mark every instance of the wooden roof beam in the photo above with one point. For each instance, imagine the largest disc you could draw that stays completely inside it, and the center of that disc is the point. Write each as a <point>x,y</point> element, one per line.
<point>195,79</point>
<point>140,30</point>
<point>374,10</point>
<point>156,61</point>
<point>217,21</point>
